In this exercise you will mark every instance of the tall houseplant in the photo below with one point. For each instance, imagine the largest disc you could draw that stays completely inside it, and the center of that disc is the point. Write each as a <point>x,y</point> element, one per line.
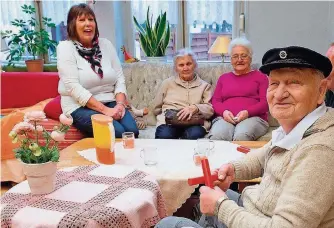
<point>30,38</point>
<point>154,38</point>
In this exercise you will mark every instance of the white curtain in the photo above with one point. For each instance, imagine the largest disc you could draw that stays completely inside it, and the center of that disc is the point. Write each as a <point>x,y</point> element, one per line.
<point>206,11</point>
<point>139,9</point>
<point>11,10</point>
<point>58,10</point>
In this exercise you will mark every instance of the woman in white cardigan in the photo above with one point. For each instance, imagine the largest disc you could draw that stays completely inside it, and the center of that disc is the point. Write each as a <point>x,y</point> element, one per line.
<point>91,77</point>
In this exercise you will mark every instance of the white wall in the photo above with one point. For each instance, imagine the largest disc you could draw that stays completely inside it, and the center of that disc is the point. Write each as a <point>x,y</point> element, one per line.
<point>272,24</point>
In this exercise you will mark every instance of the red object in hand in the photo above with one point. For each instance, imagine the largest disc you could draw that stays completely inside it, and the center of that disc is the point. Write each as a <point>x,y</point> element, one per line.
<point>200,180</point>
<point>243,149</point>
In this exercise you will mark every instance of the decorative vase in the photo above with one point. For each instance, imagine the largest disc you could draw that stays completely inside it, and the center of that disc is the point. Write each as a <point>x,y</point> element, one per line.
<point>159,59</point>
<point>35,65</point>
<point>41,177</point>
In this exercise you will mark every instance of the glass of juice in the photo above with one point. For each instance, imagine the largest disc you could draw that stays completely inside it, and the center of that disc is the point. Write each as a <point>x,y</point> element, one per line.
<point>128,140</point>
<point>103,138</point>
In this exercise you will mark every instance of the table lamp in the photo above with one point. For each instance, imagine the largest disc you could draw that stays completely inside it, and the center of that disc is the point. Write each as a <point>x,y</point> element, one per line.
<point>220,46</point>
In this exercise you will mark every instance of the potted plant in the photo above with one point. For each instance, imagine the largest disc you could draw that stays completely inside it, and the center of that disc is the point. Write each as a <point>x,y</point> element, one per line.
<point>154,38</point>
<point>30,38</point>
<point>39,158</point>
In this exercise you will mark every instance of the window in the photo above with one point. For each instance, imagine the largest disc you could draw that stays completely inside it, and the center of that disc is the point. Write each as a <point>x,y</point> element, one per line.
<point>156,7</point>
<point>56,10</point>
<point>203,22</point>
<point>206,20</point>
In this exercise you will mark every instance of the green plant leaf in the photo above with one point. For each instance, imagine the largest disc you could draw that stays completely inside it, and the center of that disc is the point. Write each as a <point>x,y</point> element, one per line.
<point>138,26</point>
<point>162,29</point>
<point>157,25</point>
<point>144,45</point>
<point>166,39</point>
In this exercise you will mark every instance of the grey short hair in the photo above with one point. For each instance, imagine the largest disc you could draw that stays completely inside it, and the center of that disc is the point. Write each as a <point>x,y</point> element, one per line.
<point>184,52</point>
<point>241,41</point>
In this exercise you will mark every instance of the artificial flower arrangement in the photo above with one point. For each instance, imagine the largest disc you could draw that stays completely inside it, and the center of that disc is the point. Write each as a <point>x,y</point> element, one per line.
<point>29,133</point>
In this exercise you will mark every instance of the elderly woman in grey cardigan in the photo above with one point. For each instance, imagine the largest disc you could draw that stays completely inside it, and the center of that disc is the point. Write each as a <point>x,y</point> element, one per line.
<point>296,166</point>
<point>187,93</point>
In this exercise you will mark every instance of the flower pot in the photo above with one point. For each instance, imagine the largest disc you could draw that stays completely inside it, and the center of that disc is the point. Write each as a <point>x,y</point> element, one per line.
<point>35,65</point>
<point>41,177</point>
<point>156,59</point>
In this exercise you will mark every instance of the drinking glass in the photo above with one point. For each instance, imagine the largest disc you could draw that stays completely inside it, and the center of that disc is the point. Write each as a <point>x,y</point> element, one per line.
<point>150,155</point>
<point>128,140</point>
<point>205,146</point>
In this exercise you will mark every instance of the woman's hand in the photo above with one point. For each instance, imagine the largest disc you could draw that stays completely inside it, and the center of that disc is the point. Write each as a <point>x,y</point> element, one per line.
<point>112,112</point>
<point>242,115</point>
<point>121,110</point>
<point>226,176</point>
<point>187,112</point>
<point>228,117</point>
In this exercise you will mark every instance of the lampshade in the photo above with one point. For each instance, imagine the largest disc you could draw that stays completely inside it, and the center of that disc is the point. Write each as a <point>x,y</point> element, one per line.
<point>4,46</point>
<point>220,46</point>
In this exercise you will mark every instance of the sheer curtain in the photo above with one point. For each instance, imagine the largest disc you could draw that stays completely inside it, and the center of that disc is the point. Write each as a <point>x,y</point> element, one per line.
<point>206,20</point>
<point>11,10</point>
<point>57,10</point>
<point>139,9</point>
<point>210,11</point>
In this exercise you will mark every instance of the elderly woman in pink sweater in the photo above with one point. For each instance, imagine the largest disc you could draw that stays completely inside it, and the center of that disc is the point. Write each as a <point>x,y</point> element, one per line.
<point>239,100</point>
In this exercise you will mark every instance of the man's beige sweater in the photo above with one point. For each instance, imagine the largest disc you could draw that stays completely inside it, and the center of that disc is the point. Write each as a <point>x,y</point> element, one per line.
<point>297,187</point>
<point>175,93</point>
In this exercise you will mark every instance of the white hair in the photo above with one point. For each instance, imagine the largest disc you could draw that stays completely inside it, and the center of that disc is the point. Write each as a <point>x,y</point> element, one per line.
<point>185,52</point>
<point>241,41</point>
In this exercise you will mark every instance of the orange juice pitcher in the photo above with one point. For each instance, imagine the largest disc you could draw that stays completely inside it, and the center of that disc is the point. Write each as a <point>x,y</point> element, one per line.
<point>104,138</point>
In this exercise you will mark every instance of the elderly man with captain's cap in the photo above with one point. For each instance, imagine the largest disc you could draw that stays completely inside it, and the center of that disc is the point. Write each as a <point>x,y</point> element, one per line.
<point>296,166</point>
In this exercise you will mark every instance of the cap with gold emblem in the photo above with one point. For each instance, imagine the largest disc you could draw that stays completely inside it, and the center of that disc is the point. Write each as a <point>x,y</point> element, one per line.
<point>295,57</point>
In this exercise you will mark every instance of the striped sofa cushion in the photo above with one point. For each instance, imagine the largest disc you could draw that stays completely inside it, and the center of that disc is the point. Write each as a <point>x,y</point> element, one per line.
<point>71,136</point>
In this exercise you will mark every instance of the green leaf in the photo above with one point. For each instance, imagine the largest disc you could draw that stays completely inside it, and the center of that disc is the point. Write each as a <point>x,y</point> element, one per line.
<point>144,45</point>
<point>156,26</point>
<point>166,40</point>
<point>138,26</point>
<point>161,29</point>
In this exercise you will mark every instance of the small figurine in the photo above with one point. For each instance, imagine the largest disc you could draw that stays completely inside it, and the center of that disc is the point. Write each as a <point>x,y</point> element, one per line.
<point>127,57</point>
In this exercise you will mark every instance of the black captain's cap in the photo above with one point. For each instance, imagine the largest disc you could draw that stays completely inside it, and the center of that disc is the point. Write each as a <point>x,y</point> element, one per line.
<point>295,57</point>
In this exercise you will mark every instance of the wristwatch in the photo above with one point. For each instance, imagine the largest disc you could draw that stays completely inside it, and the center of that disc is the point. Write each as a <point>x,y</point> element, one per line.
<point>219,202</point>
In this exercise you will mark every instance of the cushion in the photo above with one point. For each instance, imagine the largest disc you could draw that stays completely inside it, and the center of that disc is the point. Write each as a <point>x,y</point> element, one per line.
<point>9,121</point>
<point>7,124</point>
<point>71,136</point>
<point>53,108</point>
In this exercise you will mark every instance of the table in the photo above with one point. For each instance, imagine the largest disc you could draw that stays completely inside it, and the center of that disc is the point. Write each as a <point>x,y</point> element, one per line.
<point>88,196</point>
<point>168,181</point>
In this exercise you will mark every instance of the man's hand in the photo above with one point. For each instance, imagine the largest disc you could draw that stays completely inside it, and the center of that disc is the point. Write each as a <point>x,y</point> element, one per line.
<point>226,175</point>
<point>208,199</point>
<point>242,115</point>
<point>228,117</point>
<point>187,112</point>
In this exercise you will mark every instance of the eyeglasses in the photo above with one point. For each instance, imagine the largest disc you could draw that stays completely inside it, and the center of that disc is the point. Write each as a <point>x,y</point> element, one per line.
<point>242,57</point>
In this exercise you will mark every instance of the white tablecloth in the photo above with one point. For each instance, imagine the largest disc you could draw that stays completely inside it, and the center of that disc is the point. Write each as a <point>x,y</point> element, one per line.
<point>175,164</point>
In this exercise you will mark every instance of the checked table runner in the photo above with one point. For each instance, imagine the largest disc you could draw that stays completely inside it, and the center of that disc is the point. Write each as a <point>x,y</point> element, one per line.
<point>87,196</point>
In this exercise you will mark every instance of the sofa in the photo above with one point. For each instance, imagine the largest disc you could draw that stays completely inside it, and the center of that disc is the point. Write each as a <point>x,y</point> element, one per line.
<point>23,89</point>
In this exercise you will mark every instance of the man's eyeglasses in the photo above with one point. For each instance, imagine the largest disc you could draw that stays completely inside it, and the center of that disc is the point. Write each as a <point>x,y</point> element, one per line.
<point>242,57</point>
